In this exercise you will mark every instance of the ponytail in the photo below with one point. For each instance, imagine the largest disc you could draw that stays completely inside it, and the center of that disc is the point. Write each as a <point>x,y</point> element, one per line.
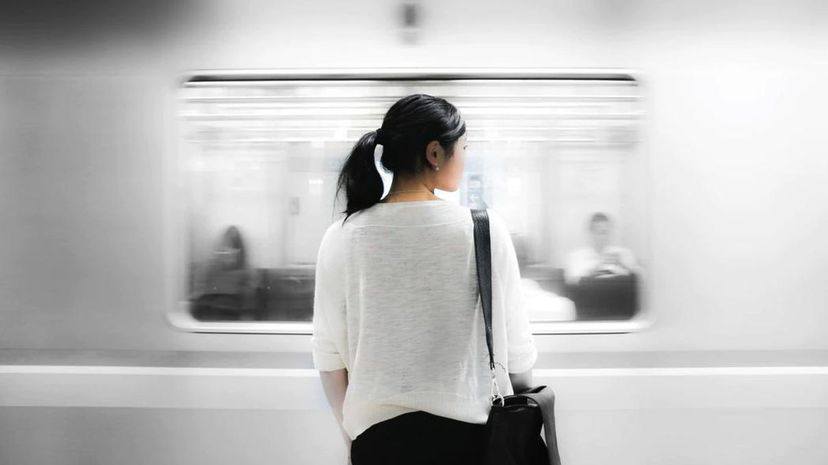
<point>359,175</point>
<point>407,128</point>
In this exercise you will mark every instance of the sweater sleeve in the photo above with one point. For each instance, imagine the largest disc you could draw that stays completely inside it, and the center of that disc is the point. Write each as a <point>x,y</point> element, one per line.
<point>521,351</point>
<point>328,307</point>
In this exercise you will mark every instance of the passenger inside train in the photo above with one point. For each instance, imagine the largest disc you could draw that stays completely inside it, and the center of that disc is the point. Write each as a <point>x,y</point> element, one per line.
<point>224,290</point>
<point>600,259</point>
<point>601,277</point>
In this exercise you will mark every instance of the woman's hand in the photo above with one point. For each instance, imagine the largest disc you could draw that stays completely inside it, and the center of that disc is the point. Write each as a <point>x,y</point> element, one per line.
<point>521,381</point>
<point>335,384</point>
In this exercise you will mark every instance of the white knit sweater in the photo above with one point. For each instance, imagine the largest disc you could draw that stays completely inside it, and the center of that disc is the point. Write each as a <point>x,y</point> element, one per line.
<point>397,304</point>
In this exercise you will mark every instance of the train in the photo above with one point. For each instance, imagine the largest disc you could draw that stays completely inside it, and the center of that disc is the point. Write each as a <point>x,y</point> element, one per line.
<point>167,170</point>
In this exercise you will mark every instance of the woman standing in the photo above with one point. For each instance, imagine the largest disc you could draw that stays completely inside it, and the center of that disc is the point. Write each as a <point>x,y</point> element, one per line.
<point>399,338</point>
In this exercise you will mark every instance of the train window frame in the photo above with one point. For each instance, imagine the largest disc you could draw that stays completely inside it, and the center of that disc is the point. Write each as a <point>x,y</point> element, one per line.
<point>177,313</point>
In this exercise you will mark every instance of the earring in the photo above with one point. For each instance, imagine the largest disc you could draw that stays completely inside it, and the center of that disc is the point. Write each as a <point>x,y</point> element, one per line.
<point>436,168</point>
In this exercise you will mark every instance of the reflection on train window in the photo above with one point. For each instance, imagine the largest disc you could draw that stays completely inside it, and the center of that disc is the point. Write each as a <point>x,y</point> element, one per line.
<point>557,157</point>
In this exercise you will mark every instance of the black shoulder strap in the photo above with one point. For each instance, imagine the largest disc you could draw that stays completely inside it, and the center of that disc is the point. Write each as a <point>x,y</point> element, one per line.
<point>542,395</point>
<point>483,256</point>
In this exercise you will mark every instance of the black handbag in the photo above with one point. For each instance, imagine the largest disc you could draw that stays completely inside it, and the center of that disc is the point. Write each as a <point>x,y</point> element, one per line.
<point>513,429</point>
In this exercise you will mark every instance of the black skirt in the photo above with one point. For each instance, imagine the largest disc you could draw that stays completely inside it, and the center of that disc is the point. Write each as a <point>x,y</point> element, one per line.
<point>419,438</point>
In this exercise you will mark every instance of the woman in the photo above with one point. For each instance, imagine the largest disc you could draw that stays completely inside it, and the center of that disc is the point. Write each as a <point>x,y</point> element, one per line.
<point>224,291</point>
<point>399,338</point>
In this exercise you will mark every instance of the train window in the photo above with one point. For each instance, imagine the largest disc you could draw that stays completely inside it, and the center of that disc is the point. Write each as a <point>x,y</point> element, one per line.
<point>556,153</point>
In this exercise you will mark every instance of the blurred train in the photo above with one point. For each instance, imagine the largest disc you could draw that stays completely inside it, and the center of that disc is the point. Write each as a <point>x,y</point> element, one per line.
<point>167,170</point>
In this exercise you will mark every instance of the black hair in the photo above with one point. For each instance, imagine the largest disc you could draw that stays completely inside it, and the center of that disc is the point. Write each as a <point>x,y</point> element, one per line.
<point>407,128</point>
<point>597,218</point>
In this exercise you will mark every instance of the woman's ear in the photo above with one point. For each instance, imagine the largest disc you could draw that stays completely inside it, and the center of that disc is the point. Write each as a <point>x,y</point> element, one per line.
<point>433,152</point>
